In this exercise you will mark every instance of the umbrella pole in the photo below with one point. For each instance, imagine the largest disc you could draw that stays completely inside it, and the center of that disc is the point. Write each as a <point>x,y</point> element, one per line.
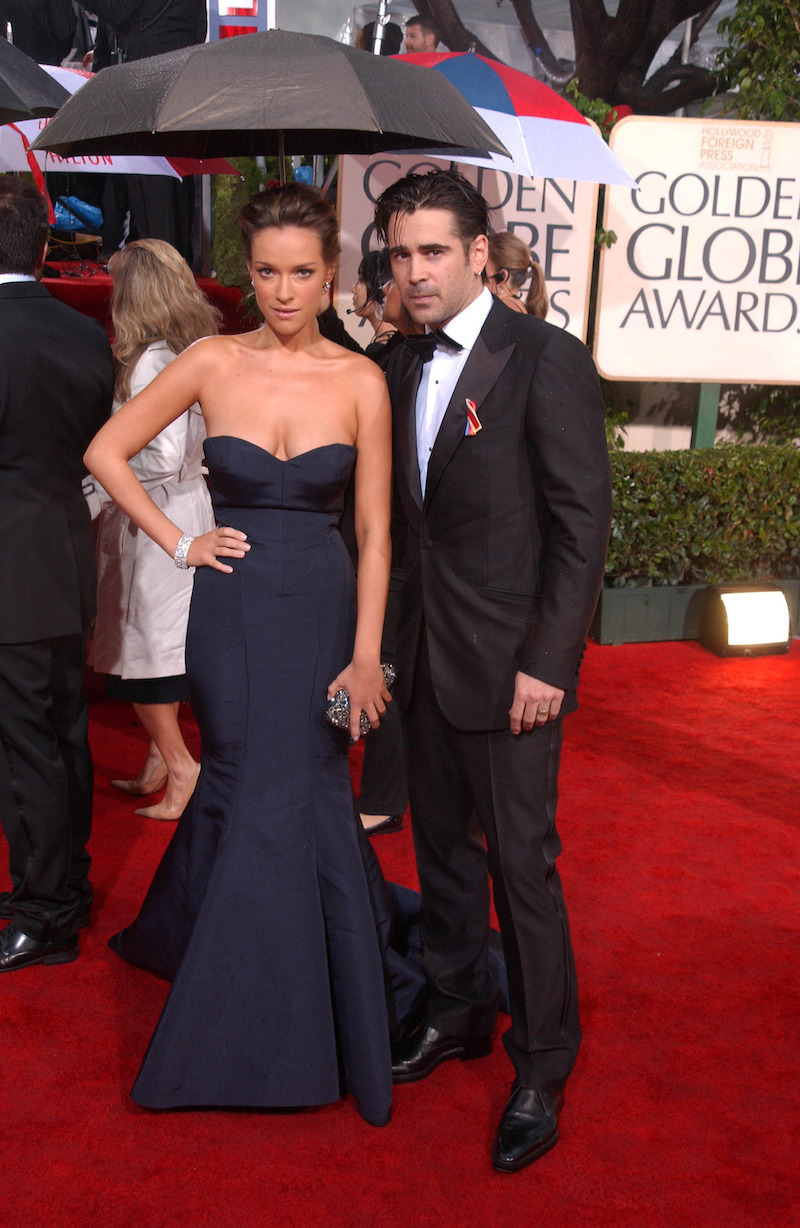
<point>282,158</point>
<point>205,225</point>
<point>383,17</point>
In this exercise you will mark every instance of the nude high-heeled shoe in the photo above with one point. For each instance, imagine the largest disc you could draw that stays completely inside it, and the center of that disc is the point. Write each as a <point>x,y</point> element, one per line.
<point>160,811</point>
<point>135,789</point>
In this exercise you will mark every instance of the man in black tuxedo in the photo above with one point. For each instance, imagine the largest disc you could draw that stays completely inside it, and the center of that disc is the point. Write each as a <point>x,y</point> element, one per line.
<point>502,470</point>
<point>56,384</point>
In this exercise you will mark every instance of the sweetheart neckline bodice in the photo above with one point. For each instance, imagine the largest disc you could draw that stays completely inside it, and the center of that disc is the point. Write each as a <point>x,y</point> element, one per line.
<point>280,459</point>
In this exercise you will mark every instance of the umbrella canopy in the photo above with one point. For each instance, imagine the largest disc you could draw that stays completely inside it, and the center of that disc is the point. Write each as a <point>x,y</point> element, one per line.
<point>26,92</point>
<point>16,154</point>
<point>543,133</point>
<point>263,94</point>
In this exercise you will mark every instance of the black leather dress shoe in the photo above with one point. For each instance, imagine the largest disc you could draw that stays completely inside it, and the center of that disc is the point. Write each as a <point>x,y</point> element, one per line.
<point>528,1128</point>
<point>18,950</point>
<point>394,822</point>
<point>7,911</point>
<point>426,1049</point>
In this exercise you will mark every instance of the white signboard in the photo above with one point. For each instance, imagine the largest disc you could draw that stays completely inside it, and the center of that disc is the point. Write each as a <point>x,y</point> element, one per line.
<point>556,219</point>
<point>703,282</point>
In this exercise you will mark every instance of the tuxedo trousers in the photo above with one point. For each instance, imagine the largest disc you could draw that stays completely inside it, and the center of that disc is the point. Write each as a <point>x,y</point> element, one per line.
<point>483,805</point>
<point>46,782</point>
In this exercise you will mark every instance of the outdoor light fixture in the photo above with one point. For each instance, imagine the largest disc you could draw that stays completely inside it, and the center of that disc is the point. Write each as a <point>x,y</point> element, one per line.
<point>746,620</point>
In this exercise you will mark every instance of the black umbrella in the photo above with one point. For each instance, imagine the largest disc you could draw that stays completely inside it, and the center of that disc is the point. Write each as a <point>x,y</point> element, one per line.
<point>265,94</point>
<point>26,91</point>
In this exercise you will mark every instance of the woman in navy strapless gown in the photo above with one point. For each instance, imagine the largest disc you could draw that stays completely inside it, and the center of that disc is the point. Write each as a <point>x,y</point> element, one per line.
<point>267,910</point>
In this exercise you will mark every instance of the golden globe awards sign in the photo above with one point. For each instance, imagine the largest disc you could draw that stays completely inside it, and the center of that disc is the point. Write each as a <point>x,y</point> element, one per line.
<point>703,282</point>
<point>555,219</point>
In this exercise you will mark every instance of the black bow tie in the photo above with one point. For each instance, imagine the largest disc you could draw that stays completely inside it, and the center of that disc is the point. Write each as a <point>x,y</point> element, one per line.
<point>425,345</point>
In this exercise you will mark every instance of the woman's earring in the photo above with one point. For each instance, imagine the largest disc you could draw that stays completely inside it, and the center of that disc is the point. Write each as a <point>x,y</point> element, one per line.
<point>326,285</point>
<point>252,283</point>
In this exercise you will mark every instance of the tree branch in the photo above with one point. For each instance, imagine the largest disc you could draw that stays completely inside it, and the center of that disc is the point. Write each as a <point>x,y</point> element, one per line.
<point>703,18</point>
<point>670,87</point>
<point>555,69</point>
<point>665,17</point>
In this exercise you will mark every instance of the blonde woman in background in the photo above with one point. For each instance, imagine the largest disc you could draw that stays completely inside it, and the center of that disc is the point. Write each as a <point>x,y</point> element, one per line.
<point>143,599</point>
<point>507,270</point>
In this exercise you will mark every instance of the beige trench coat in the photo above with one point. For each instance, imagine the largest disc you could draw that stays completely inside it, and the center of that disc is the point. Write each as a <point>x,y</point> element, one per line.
<point>142,597</point>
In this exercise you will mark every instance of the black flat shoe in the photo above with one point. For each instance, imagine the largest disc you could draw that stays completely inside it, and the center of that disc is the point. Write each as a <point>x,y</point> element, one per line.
<point>393,823</point>
<point>428,1048</point>
<point>528,1128</point>
<point>18,950</point>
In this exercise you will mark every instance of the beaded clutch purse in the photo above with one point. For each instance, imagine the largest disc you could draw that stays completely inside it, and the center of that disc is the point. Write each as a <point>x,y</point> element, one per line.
<point>337,712</point>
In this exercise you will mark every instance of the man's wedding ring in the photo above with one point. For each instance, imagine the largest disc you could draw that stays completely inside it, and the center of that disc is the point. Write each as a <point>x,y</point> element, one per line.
<point>544,712</point>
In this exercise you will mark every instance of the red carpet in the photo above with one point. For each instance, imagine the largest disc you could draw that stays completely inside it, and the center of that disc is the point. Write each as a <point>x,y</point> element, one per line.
<point>679,814</point>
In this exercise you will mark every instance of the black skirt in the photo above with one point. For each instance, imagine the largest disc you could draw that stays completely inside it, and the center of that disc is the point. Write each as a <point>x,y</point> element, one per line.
<point>170,690</point>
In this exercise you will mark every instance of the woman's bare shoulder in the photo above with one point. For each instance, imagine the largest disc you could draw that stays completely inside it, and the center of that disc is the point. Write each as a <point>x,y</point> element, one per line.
<point>357,366</point>
<point>211,350</point>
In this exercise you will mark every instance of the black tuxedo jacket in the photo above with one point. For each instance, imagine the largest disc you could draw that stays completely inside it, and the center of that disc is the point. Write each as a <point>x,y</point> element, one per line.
<point>504,556</point>
<point>56,385</point>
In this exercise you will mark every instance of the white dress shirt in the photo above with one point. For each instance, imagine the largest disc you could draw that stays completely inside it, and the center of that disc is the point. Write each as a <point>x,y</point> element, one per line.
<point>7,277</point>
<point>440,376</point>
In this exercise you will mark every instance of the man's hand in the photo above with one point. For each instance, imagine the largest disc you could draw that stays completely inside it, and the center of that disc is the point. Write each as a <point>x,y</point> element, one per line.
<point>535,703</point>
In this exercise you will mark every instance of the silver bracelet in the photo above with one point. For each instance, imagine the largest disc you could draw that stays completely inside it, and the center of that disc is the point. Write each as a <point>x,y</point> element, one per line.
<point>181,551</point>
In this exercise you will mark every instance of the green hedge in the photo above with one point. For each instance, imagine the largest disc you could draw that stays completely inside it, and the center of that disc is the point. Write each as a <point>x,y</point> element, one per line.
<point>229,195</point>
<point>729,514</point>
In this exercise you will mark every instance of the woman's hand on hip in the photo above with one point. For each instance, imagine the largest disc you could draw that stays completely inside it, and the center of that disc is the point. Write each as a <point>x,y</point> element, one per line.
<point>209,549</point>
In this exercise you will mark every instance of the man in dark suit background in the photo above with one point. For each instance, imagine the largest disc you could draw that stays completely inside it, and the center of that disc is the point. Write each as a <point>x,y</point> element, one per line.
<point>502,469</point>
<point>140,28</point>
<point>160,207</point>
<point>56,384</point>
<point>43,29</point>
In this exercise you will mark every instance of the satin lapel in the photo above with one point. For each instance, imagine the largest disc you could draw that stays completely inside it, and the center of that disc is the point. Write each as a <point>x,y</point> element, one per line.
<point>481,372</point>
<point>404,405</point>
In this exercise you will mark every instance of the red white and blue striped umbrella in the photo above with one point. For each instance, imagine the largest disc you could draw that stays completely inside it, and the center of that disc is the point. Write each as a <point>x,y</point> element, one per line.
<point>544,134</point>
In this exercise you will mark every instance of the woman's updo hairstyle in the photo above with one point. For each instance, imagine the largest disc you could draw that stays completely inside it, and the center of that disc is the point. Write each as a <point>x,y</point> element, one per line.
<point>374,272</point>
<point>293,204</point>
<point>509,254</point>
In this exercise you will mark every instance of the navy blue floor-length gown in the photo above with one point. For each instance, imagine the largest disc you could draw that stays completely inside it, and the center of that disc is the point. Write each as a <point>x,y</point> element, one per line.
<point>266,909</point>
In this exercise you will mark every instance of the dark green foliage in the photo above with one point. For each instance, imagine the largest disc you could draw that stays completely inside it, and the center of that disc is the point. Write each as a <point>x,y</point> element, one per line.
<point>230,194</point>
<point>729,514</point>
<point>596,109</point>
<point>761,413</point>
<point>616,421</point>
<point>761,59</point>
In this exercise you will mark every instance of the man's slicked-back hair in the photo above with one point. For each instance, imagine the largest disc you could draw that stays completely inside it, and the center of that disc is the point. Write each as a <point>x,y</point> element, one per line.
<point>435,190</point>
<point>23,226</point>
